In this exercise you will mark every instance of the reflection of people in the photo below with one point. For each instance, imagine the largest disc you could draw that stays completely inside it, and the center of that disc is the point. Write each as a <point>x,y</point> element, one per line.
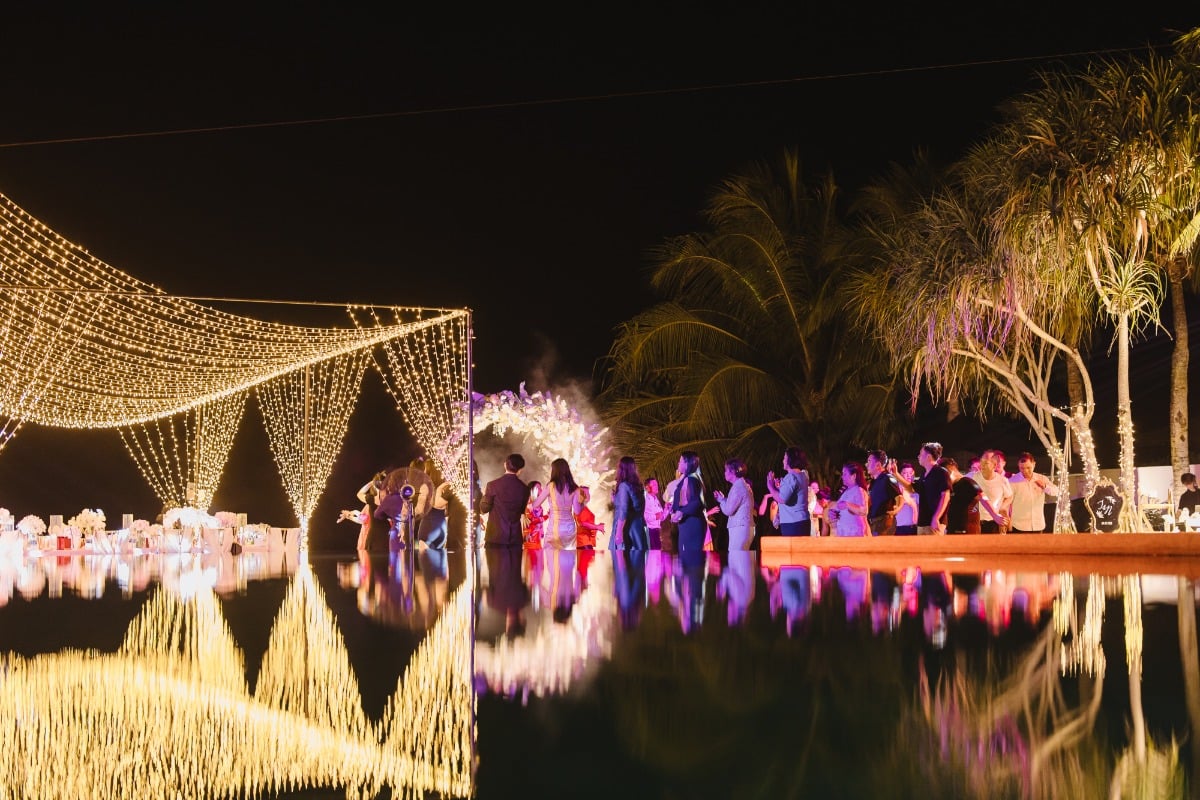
<point>559,529</point>
<point>629,508</point>
<point>506,590</point>
<point>736,586</point>
<point>629,585</point>
<point>504,502</point>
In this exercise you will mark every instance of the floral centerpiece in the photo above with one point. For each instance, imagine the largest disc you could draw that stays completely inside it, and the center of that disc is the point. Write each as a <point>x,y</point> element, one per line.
<point>184,517</point>
<point>88,520</point>
<point>226,519</point>
<point>31,525</point>
<point>139,532</point>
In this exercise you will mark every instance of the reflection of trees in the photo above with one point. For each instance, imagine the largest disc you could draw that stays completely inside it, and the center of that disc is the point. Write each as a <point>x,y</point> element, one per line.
<point>1028,734</point>
<point>704,710</point>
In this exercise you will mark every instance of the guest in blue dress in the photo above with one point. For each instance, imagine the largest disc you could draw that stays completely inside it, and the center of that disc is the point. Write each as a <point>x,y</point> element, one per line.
<point>629,509</point>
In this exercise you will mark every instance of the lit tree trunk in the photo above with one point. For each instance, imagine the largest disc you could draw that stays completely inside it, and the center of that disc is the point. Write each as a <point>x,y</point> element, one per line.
<point>1180,354</point>
<point>1129,510</point>
<point>1133,657</point>
<point>1076,397</point>
<point>1188,655</point>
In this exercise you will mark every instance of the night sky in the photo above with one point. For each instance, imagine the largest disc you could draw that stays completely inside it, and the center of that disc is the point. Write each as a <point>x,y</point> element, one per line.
<point>521,166</point>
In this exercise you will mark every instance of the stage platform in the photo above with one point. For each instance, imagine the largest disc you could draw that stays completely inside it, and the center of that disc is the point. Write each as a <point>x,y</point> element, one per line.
<point>1079,553</point>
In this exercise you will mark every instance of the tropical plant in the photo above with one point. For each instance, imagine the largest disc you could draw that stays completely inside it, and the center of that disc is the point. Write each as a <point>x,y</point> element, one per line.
<point>751,349</point>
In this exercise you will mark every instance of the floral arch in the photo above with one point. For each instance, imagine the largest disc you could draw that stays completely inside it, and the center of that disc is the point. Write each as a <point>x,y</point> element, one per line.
<point>555,428</point>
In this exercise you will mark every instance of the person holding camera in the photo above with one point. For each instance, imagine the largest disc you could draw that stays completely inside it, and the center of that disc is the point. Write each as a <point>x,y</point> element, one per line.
<point>398,504</point>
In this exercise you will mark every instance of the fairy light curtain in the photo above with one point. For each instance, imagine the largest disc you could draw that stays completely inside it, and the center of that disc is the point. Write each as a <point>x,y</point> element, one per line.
<point>85,345</point>
<point>427,375</point>
<point>188,448</point>
<point>306,413</point>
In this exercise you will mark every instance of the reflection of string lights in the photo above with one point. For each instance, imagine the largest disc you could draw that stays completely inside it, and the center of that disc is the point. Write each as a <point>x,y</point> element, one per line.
<point>169,714</point>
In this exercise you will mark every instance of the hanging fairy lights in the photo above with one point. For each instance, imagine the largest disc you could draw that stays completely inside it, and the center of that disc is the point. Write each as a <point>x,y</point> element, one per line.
<point>189,448</point>
<point>426,375</point>
<point>84,345</point>
<point>306,414</point>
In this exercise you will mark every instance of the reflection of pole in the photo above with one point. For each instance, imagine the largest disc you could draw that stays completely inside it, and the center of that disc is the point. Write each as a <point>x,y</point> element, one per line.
<point>472,527</point>
<point>304,443</point>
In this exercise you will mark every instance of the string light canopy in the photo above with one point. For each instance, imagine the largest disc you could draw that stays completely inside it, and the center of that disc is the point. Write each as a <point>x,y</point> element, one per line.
<point>84,345</point>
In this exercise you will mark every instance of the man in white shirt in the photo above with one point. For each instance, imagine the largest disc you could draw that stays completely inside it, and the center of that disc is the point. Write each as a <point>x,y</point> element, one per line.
<point>996,490</point>
<point>1029,497</point>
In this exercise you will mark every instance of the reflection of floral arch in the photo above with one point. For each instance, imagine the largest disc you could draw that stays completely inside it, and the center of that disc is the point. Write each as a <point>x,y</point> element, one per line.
<point>556,429</point>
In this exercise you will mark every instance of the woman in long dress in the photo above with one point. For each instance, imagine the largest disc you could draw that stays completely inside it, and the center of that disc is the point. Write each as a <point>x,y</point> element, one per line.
<point>558,530</point>
<point>629,509</point>
<point>738,506</point>
<point>433,528</point>
<point>687,505</point>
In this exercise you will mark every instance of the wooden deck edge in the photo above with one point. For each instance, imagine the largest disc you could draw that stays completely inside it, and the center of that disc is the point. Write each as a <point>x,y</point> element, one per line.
<point>1107,553</point>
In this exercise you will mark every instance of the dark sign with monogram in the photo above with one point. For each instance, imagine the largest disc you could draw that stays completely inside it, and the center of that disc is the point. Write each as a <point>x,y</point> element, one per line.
<point>1104,504</point>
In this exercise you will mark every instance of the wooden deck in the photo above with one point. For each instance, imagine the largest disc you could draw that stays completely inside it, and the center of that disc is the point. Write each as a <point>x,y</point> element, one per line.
<point>1080,553</point>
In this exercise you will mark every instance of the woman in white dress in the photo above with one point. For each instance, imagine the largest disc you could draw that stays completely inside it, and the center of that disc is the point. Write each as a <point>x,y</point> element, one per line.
<point>738,506</point>
<point>558,531</point>
<point>852,505</point>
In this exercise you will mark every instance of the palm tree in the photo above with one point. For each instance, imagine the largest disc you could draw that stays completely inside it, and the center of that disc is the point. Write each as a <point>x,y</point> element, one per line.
<point>751,349</point>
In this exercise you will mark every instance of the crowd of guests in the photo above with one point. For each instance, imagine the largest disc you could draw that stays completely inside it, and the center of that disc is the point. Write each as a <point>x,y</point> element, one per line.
<point>877,497</point>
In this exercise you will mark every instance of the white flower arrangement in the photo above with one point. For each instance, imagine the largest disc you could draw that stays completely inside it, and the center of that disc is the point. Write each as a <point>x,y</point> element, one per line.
<point>185,517</point>
<point>6,516</point>
<point>31,525</point>
<point>254,534</point>
<point>88,520</point>
<point>139,526</point>
<point>226,519</point>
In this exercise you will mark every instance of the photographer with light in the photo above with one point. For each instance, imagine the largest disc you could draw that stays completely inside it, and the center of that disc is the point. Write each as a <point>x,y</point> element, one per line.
<point>401,501</point>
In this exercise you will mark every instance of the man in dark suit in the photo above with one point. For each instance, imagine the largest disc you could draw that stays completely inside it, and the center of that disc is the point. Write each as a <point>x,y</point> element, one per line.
<point>504,501</point>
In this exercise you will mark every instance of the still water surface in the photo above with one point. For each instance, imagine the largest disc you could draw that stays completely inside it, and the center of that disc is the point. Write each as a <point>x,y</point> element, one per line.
<point>582,674</point>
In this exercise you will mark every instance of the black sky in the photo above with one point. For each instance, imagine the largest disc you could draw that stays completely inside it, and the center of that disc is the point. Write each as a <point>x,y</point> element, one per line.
<point>521,165</point>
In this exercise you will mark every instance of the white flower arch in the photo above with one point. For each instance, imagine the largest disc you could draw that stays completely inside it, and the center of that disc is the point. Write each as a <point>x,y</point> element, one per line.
<point>555,428</point>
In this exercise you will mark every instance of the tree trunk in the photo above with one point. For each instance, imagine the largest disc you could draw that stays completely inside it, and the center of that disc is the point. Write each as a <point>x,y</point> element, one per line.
<point>1130,515</point>
<point>1180,354</point>
<point>1077,397</point>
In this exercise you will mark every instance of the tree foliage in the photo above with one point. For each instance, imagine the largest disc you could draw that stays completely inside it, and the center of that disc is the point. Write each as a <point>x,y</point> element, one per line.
<point>752,349</point>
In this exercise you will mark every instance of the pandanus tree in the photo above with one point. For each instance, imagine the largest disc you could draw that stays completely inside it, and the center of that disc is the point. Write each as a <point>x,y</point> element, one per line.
<point>964,314</point>
<point>751,349</point>
<point>1152,103</point>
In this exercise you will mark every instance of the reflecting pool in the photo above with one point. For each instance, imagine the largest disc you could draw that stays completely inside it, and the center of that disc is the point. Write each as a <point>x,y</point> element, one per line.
<point>589,674</point>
